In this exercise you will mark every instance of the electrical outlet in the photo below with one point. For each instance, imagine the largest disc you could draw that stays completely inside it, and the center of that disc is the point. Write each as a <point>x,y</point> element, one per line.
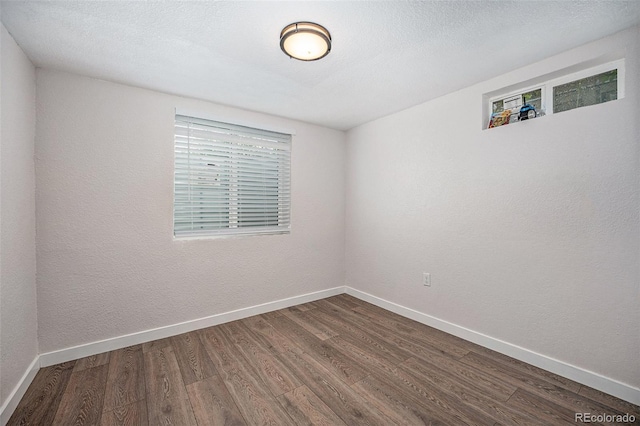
<point>426,279</point>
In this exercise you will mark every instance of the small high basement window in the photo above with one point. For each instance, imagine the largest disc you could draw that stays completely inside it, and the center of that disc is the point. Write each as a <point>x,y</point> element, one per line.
<point>595,85</point>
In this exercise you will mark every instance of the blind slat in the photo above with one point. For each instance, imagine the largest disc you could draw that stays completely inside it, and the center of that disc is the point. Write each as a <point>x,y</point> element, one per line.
<point>230,179</point>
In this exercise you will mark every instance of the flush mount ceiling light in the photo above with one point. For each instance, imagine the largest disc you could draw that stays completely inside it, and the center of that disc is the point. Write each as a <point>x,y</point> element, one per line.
<point>305,41</point>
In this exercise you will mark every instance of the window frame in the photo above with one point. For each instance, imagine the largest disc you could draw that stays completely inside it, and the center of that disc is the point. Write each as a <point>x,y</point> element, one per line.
<point>232,166</point>
<point>547,86</point>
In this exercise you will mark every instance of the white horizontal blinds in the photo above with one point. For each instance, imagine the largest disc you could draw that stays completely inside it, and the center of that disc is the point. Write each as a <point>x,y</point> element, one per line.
<point>230,179</point>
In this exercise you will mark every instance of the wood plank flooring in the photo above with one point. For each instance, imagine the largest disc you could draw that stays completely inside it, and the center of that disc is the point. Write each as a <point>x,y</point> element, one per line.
<point>337,361</point>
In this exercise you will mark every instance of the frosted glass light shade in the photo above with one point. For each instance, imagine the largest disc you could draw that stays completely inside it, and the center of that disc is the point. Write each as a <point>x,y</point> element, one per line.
<point>305,41</point>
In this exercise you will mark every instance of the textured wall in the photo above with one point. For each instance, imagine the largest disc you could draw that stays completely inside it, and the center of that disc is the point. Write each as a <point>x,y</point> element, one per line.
<point>18,319</point>
<point>107,261</point>
<point>530,231</point>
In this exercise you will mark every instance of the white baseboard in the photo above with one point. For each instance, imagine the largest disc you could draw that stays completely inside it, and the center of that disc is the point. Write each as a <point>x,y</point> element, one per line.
<point>594,380</point>
<point>93,348</point>
<point>18,392</point>
<point>589,378</point>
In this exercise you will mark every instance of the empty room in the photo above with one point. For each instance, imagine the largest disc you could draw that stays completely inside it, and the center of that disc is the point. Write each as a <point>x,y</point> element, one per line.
<point>332,213</point>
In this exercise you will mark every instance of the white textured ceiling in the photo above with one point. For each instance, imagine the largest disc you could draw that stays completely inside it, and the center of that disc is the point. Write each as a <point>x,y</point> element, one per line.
<point>386,56</point>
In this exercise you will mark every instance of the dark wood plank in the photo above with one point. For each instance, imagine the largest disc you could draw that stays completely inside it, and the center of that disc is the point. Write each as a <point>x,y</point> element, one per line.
<point>472,379</point>
<point>40,403</point>
<point>220,348</point>
<point>167,399</point>
<point>83,398</point>
<point>269,368</point>
<point>368,315</point>
<point>407,327</point>
<point>156,344</point>
<point>253,398</point>
<point>134,414</point>
<point>610,401</point>
<point>338,396</point>
<point>308,322</point>
<point>434,385</point>
<point>272,314</point>
<point>340,364</point>
<point>345,301</point>
<point>427,377</point>
<point>305,408</point>
<point>535,384</point>
<point>372,361</point>
<point>402,408</point>
<point>125,381</point>
<point>303,307</point>
<point>355,333</point>
<point>270,337</point>
<point>531,369</point>
<point>193,360</point>
<point>540,408</point>
<point>92,361</point>
<point>400,345</point>
<point>307,306</point>
<point>212,404</point>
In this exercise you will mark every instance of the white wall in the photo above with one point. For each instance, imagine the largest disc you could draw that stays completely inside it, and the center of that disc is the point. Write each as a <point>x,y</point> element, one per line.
<point>107,261</point>
<point>18,318</point>
<point>530,231</point>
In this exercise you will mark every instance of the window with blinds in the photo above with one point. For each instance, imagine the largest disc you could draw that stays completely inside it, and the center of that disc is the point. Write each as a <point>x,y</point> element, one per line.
<point>230,179</point>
